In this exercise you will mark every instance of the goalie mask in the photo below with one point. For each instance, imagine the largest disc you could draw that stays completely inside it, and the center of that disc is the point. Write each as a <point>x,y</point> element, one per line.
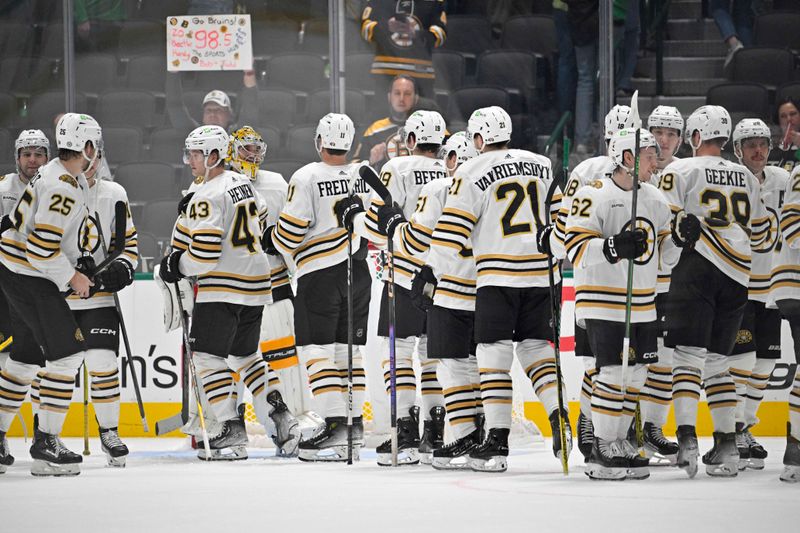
<point>247,150</point>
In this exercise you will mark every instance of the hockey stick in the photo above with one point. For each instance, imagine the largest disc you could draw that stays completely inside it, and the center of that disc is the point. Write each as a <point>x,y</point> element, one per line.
<point>119,239</point>
<point>350,334</point>
<point>85,410</point>
<point>372,179</point>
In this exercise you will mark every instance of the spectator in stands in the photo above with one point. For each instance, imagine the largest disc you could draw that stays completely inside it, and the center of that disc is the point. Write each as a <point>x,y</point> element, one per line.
<point>217,108</point>
<point>99,23</point>
<point>380,141</point>
<point>584,25</point>
<point>787,116</point>
<point>567,75</point>
<point>627,12</point>
<point>735,26</point>
<point>404,33</point>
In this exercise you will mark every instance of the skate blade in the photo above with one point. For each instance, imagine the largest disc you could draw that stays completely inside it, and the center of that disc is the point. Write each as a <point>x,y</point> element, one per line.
<point>790,474</point>
<point>426,458</point>
<point>657,459</point>
<point>637,474</point>
<point>755,464</point>
<point>3,469</point>
<point>454,463</point>
<point>45,468</point>
<point>334,454</point>
<point>603,473</point>
<point>115,462</point>
<point>407,457</point>
<point>231,453</point>
<point>289,448</point>
<point>723,470</point>
<point>497,463</point>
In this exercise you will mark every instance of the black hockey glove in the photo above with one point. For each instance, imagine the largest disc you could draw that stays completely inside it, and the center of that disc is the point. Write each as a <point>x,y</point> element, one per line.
<point>346,210</point>
<point>625,245</point>
<point>389,217</point>
<point>266,242</point>
<point>5,223</point>
<point>184,203</point>
<point>422,288</point>
<point>170,272</point>
<point>543,239</point>
<point>117,275</point>
<point>685,229</point>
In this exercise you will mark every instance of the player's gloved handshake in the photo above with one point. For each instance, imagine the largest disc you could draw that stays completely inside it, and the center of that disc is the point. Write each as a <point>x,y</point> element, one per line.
<point>422,288</point>
<point>389,217</point>
<point>5,223</point>
<point>543,239</point>
<point>685,229</point>
<point>626,244</point>
<point>266,241</point>
<point>346,210</point>
<point>170,271</point>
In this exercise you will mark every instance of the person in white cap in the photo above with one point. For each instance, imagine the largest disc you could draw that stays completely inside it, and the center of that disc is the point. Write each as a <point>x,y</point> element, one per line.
<point>217,109</point>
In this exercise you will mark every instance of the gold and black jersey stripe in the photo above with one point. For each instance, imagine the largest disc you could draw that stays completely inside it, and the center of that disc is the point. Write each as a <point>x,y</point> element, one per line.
<point>454,229</point>
<point>512,265</point>
<point>218,281</point>
<point>206,245</point>
<point>724,251</point>
<point>613,298</point>
<point>181,237</point>
<point>790,223</point>
<point>44,242</point>
<point>577,239</point>
<point>415,238</point>
<point>289,232</point>
<point>785,277</point>
<point>320,247</point>
<point>405,265</point>
<point>455,287</point>
<point>14,251</point>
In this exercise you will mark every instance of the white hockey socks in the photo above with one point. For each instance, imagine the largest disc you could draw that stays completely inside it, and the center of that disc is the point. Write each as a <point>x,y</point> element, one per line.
<point>587,385</point>
<point>37,381</point>
<point>538,360</point>
<point>104,375</point>
<point>794,406</point>
<point>686,380</point>
<point>759,378</point>
<point>325,379</point>
<point>252,372</point>
<point>217,381</point>
<point>720,392</point>
<point>55,391</point>
<point>15,380</point>
<point>494,366</point>
<point>607,403</point>
<point>634,380</point>
<point>656,395</point>
<point>431,389</point>
<point>406,380</point>
<point>461,399</point>
<point>741,367</point>
<point>359,377</point>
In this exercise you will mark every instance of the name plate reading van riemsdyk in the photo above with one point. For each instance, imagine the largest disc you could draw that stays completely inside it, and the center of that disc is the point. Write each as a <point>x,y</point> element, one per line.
<point>209,42</point>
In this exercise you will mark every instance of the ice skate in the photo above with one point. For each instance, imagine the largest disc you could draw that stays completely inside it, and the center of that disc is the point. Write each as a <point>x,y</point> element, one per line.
<point>742,446</point>
<point>229,445</point>
<point>455,456</point>
<point>407,442</point>
<point>791,458</point>
<point>606,461</point>
<point>492,454</point>
<point>723,459</point>
<point>432,435</point>
<point>287,436</point>
<point>688,450</point>
<point>756,451</point>
<point>555,426</point>
<point>585,436</point>
<point>309,423</point>
<point>115,450</point>
<point>358,431</point>
<point>657,448</point>
<point>638,465</point>
<point>52,458</point>
<point>330,444</point>
<point>6,459</point>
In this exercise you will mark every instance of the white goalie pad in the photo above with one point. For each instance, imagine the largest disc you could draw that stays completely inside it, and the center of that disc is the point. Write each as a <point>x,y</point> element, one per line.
<point>171,293</point>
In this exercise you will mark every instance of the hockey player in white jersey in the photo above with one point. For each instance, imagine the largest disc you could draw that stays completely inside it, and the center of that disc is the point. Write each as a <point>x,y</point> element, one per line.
<point>404,176</point>
<point>311,238</point>
<point>708,288</point>
<point>233,278</point>
<point>277,344</point>
<point>785,294</point>
<point>599,237</point>
<point>758,343</point>
<point>666,125</point>
<point>497,200</point>
<point>41,246</point>
<point>589,170</point>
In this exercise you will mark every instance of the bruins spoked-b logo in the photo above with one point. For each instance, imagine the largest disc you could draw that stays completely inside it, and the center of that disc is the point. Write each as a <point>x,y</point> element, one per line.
<point>649,228</point>
<point>744,336</point>
<point>89,238</point>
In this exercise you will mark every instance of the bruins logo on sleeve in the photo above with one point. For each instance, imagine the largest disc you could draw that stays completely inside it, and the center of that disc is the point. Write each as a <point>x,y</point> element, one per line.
<point>66,178</point>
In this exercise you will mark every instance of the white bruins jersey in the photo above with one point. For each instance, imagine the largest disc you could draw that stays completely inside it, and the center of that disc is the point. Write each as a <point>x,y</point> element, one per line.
<point>584,173</point>
<point>223,222</point>
<point>603,209</point>
<point>724,196</point>
<point>103,196</point>
<point>46,240</point>
<point>273,189</point>
<point>180,233</point>
<point>404,176</point>
<point>663,275</point>
<point>785,284</point>
<point>492,201</point>
<point>772,192</point>
<point>308,233</point>
<point>11,187</point>
<point>454,268</point>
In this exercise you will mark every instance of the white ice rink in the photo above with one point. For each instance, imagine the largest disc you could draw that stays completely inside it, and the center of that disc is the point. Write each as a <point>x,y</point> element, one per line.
<point>166,488</point>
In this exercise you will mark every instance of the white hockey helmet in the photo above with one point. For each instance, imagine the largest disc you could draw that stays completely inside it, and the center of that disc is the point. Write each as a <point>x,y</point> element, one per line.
<point>74,130</point>
<point>750,128</point>
<point>492,123</point>
<point>32,139</point>
<point>334,131</point>
<point>625,140</point>
<point>428,127</point>
<point>618,118</point>
<point>206,139</point>
<point>666,116</point>
<point>247,150</point>
<point>711,121</point>
<point>463,147</point>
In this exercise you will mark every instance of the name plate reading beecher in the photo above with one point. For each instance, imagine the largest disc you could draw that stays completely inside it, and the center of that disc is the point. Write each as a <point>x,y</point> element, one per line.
<point>209,42</point>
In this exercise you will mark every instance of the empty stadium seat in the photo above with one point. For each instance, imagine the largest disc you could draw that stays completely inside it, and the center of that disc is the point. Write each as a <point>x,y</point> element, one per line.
<point>166,145</point>
<point>95,73</point>
<point>142,38</point>
<point>276,107</point>
<point>778,29</point>
<point>513,69</point>
<point>26,74</point>
<point>300,143</point>
<point>469,34</point>
<point>158,218</point>
<point>788,90</point>
<point>319,104</point>
<point>274,38</point>
<point>127,108</point>
<point>450,67</point>
<point>43,108</point>
<point>8,110</point>
<point>285,167</point>
<point>15,39</point>
<point>146,73</point>
<point>467,99</point>
<point>357,72</point>
<point>534,33</point>
<point>768,66</point>
<point>121,145</point>
<point>297,71</point>
<point>147,181</point>
<point>749,98</point>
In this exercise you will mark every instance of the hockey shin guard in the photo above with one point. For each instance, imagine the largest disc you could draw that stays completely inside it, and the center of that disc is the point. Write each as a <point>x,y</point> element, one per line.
<point>15,380</point>
<point>720,393</point>
<point>406,379</point>
<point>587,384</point>
<point>431,389</point>
<point>686,372</point>
<point>252,372</point>
<point>634,381</point>
<point>741,367</point>
<point>325,379</point>
<point>538,360</point>
<point>607,402</point>
<point>494,366</point>
<point>217,381</point>
<point>656,395</point>
<point>104,375</point>
<point>359,377</point>
<point>35,384</point>
<point>794,406</point>
<point>755,389</point>
<point>460,397</point>
<point>55,391</point>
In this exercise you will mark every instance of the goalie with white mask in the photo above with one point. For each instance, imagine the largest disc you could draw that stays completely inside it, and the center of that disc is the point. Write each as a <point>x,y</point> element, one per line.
<point>314,244</point>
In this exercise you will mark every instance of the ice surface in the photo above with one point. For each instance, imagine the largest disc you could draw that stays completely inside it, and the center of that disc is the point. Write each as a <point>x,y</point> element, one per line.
<point>166,488</point>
